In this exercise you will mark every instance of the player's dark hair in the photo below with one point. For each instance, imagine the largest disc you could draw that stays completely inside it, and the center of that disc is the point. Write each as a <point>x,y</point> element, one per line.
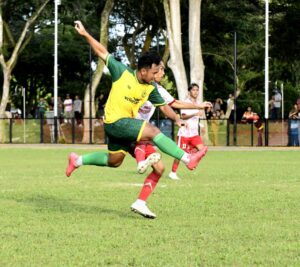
<point>147,59</point>
<point>192,85</point>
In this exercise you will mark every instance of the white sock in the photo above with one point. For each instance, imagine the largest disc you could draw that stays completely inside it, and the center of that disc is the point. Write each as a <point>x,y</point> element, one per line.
<point>79,161</point>
<point>141,202</point>
<point>185,158</point>
<point>142,162</point>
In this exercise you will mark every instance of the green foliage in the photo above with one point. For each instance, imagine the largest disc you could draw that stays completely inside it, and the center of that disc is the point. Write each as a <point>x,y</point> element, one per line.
<point>219,19</point>
<point>169,86</point>
<point>240,209</point>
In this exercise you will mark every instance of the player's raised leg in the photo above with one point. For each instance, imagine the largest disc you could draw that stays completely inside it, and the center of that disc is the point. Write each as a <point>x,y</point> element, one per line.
<point>169,147</point>
<point>188,144</point>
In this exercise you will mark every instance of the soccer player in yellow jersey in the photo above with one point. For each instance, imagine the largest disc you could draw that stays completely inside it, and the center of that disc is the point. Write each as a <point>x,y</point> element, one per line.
<point>130,89</point>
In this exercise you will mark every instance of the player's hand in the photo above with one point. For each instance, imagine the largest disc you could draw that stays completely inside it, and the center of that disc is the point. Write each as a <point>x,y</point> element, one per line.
<point>205,104</point>
<point>79,27</point>
<point>180,123</point>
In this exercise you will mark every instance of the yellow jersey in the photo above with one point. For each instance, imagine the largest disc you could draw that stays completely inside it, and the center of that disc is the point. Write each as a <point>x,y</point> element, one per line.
<point>127,94</point>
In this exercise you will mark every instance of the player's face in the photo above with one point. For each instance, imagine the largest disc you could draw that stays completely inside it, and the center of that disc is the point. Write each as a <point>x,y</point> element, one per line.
<point>160,74</point>
<point>147,75</point>
<point>194,92</point>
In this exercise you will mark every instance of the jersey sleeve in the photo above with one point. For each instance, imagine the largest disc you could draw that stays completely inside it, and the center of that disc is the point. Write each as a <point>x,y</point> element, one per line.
<point>165,95</point>
<point>116,68</point>
<point>155,98</point>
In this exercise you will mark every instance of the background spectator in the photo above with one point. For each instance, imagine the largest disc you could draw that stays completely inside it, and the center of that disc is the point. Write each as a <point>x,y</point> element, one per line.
<point>218,104</point>
<point>41,108</point>
<point>230,107</point>
<point>77,110</point>
<point>276,110</point>
<point>68,109</point>
<point>248,115</point>
<point>251,117</point>
<point>294,126</point>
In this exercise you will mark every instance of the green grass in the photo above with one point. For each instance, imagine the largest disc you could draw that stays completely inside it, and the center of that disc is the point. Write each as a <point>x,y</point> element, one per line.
<point>239,208</point>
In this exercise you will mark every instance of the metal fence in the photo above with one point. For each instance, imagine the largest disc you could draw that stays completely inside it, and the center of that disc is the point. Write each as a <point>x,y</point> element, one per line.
<point>213,132</point>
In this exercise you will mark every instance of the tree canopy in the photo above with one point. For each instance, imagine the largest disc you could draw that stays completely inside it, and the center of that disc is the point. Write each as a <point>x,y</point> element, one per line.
<point>141,25</point>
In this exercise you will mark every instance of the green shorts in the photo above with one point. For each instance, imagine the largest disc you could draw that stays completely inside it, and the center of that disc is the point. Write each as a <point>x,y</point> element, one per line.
<point>122,133</point>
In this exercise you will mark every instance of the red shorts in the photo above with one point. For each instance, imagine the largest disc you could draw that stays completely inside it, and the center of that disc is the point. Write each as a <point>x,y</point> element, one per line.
<point>149,148</point>
<point>188,144</point>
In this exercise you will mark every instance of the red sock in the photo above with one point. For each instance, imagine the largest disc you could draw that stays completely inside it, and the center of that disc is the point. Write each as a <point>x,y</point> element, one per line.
<point>140,153</point>
<point>175,165</point>
<point>149,185</point>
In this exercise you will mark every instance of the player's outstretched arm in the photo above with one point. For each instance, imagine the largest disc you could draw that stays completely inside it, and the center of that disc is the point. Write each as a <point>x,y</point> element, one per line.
<point>186,105</point>
<point>169,112</point>
<point>99,49</point>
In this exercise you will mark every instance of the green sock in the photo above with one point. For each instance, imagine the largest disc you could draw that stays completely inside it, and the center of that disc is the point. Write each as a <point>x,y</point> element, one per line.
<point>97,158</point>
<point>168,146</point>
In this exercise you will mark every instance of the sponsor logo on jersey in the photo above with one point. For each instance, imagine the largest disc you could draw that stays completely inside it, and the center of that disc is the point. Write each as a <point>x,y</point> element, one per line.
<point>132,100</point>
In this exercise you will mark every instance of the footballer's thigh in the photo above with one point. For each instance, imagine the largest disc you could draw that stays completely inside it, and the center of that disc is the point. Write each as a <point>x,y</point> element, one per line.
<point>148,131</point>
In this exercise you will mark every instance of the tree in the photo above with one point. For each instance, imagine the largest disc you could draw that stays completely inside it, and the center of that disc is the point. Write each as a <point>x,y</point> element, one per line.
<point>220,21</point>
<point>196,60</point>
<point>10,49</point>
<point>173,21</point>
<point>98,72</point>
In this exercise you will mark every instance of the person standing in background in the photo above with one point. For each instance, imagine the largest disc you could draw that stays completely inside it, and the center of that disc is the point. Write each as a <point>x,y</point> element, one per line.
<point>77,110</point>
<point>275,113</point>
<point>68,109</point>
<point>188,137</point>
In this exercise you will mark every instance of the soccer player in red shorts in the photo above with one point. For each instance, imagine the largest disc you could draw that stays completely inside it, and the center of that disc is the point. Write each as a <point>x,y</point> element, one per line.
<point>144,151</point>
<point>146,112</point>
<point>188,137</point>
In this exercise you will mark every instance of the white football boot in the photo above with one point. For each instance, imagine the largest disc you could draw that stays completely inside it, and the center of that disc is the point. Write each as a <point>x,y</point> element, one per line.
<point>173,176</point>
<point>141,208</point>
<point>152,159</point>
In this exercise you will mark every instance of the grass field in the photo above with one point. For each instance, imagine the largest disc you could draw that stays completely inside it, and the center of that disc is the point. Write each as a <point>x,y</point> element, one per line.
<point>239,208</point>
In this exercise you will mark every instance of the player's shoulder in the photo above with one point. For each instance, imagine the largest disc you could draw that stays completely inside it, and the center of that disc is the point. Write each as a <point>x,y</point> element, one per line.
<point>161,89</point>
<point>115,62</point>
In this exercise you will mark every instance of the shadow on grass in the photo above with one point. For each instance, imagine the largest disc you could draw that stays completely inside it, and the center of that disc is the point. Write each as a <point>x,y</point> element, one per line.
<point>53,204</point>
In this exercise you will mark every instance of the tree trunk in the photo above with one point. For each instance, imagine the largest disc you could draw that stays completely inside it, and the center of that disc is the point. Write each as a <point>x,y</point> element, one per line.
<point>97,74</point>
<point>5,91</point>
<point>173,21</point>
<point>196,60</point>
<point>8,65</point>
